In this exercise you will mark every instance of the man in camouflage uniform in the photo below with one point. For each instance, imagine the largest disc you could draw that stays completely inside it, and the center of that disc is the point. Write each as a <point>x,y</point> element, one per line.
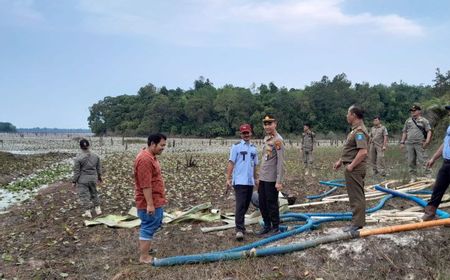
<point>416,136</point>
<point>354,159</point>
<point>378,141</point>
<point>308,139</point>
<point>271,177</point>
<point>86,172</point>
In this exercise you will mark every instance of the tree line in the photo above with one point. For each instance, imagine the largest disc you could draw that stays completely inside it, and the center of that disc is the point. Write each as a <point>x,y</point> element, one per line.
<point>208,111</point>
<point>7,127</point>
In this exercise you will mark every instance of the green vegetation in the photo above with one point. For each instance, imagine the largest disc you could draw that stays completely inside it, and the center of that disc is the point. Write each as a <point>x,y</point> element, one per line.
<point>7,127</point>
<point>50,175</point>
<point>208,111</point>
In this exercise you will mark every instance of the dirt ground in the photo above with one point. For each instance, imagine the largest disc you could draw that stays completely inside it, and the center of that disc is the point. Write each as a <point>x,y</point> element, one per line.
<point>44,237</point>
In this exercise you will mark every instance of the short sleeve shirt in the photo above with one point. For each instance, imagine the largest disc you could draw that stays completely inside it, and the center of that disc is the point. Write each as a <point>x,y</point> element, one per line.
<point>244,157</point>
<point>377,135</point>
<point>272,164</point>
<point>147,174</point>
<point>357,139</point>
<point>446,151</point>
<point>414,134</point>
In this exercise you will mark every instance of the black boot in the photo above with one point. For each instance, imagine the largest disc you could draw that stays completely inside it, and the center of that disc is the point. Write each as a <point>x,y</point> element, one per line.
<point>430,213</point>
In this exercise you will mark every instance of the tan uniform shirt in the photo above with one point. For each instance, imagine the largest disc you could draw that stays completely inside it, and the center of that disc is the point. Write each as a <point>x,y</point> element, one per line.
<point>308,141</point>
<point>272,164</point>
<point>357,139</point>
<point>377,135</point>
<point>414,134</point>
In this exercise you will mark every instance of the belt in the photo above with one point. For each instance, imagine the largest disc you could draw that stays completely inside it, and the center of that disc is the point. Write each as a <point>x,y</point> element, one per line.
<point>446,160</point>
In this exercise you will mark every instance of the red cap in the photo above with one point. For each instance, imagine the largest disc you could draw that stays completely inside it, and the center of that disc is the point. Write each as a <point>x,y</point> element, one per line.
<point>245,128</point>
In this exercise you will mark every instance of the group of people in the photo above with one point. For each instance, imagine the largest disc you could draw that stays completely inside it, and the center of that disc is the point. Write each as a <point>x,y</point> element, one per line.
<point>416,136</point>
<point>246,174</point>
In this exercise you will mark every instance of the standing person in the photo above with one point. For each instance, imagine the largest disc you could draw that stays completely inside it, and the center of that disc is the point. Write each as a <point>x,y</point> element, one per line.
<point>87,171</point>
<point>308,141</point>
<point>353,157</point>
<point>149,192</point>
<point>378,143</point>
<point>416,136</point>
<point>241,174</point>
<point>443,176</point>
<point>271,176</point>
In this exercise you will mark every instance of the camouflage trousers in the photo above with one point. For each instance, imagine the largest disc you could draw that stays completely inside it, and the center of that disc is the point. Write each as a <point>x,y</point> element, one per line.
<point>88,195</point>
<point>308,158</point>
<point>416,157</point>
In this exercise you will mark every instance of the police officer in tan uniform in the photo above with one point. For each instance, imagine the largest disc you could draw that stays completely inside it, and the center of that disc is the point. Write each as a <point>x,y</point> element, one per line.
<point>378,142</point>
<point>308,139</point>
<point>354,156</point>
<point>271,177</point>
<point>416,136</point>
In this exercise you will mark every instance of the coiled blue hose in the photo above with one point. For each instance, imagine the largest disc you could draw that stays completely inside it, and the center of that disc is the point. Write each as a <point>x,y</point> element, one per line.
<point>313,220</point>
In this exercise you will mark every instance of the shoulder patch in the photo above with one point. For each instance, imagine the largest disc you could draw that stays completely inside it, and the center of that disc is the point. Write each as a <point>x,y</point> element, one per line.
<point>359,136</point>
<point>278,144</point>
<point>237,143</point>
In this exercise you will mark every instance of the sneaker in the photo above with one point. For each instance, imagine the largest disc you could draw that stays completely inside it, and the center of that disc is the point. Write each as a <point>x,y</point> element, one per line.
<point>239,236</point>
<point>306,172</point>
<point>87,214</point>
<point>313,174</point>
<point>262,231</point>
<point>351,228</point>
<point>98,210</point>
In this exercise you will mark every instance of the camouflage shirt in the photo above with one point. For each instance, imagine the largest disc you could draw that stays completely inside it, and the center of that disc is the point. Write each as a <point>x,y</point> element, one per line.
<point>308,140</point>
<point>87,168</point>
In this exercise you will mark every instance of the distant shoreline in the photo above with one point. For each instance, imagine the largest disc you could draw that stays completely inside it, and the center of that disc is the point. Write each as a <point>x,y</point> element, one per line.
<point>52,130</point>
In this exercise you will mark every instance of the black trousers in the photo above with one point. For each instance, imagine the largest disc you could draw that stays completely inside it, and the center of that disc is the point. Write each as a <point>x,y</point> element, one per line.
<point>243,198</point>
<point>268,204</point>
<point>441,185</point>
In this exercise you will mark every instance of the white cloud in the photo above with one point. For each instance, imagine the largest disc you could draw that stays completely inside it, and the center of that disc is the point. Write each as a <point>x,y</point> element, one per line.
<point>194,21</point>
<point>309,14</point>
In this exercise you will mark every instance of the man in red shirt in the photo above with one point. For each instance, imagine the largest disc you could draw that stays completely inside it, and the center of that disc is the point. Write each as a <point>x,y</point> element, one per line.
<point>149,192</point>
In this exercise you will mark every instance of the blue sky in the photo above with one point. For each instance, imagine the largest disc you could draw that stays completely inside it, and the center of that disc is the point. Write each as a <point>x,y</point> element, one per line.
<point>57,58</point>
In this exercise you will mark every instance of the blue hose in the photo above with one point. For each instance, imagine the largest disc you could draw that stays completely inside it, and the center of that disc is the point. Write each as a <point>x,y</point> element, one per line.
<point>332,190</point>
<point>313,220</point>
<point>417,200</point>
<point>332,183</point>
